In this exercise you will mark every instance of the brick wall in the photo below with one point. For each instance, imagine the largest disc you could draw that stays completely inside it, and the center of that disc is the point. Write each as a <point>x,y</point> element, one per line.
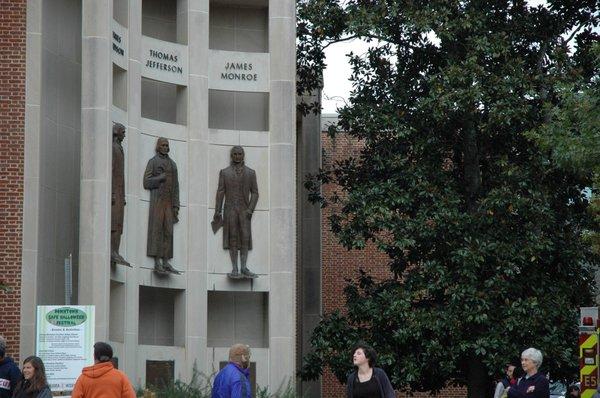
<point>12,141</point>
<point>339,263</point>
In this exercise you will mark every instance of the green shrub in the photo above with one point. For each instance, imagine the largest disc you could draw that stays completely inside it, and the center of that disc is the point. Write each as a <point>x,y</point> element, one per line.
<point>200,387</point>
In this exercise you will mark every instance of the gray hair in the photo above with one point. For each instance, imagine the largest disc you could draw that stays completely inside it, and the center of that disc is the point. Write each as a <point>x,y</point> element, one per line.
<point>535,355</point>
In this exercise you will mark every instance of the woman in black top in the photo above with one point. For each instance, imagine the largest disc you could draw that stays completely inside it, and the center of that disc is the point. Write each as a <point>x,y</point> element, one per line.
<point>367,381</point>
<point>34,383</point>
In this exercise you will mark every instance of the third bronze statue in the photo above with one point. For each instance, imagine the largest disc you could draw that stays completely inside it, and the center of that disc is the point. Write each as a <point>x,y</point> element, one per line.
<point>161,179</point>
<point>238,188</point>
<point>117,195</point>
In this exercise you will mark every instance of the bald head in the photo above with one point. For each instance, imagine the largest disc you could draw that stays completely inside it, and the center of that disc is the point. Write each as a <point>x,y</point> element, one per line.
<point>240,354</point>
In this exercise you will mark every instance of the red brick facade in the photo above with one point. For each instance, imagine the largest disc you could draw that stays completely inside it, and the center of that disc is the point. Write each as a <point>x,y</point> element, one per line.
<point>12,158</point>
<point>339,263</point>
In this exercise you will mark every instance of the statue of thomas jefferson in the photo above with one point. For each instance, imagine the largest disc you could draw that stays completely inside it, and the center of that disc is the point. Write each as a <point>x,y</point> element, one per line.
<point>161,179</point>
<point>238,188</point>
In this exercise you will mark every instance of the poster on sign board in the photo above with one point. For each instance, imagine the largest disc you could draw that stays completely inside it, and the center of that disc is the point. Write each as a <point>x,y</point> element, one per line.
<point>65,342</point>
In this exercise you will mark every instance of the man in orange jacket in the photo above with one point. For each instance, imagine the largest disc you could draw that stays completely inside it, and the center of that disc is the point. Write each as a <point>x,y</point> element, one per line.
<point>102,379</point>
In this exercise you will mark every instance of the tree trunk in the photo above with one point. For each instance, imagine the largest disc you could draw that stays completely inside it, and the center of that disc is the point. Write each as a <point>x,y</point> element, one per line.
<point>478,382</point>
<point>472,172</point>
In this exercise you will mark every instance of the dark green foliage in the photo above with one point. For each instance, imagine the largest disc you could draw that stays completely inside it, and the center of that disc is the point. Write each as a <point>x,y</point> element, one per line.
<point>483,228</point>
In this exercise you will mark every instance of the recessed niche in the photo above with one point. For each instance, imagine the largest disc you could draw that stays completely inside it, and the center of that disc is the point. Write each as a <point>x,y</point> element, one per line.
<point>161,316</point>
<point>116,330</point>
<point>160,374</point>
<point>236,110</point>
<point>120,12</point>
<point>119,90</point>
<point>165,102</point>
<point>165,20</point>
<point>238,317</point>
<point>235,28</point>
<point>252,369</point>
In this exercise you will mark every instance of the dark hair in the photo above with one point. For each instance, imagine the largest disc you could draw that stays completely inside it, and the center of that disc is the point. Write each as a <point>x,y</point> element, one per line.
<point>572,388</point>
<point>369,352</point>
<point>103,352</point>
<point>518,372</point>
<point>2,347</point>
<point>38,382</point>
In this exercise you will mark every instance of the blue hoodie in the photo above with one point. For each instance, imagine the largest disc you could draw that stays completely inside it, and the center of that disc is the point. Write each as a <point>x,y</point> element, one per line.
<point>232,382</point>
<point>9,377</point>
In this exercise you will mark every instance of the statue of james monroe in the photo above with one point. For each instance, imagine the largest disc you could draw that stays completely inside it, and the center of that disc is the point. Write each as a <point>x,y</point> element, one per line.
<point>161,179</point>
<point>237,186</point>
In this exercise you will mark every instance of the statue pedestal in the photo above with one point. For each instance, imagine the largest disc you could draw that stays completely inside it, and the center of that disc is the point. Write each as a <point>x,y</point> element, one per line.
<point>240,276</point>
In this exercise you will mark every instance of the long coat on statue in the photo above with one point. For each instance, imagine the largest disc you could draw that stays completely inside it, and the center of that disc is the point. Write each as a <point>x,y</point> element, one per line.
<point>164,198</point>
<point>118,188</point>
<point>240,192</point>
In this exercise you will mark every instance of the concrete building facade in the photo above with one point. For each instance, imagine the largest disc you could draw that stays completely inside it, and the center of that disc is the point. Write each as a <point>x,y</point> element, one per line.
<point>207,75</point>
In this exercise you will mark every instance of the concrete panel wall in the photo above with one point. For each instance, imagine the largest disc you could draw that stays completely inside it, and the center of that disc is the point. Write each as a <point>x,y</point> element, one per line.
<point>229,110</point>
<point>121,12</point>
<point>309,234</point>
<point>158,316</point>
<point>239,29</point>
<point>238,317</point>
<point>159,19</point>
<point>59,146</point>
<point>160,101</point>
<point>116,331</point>
<point>282,162</point>
<point>119,93</point>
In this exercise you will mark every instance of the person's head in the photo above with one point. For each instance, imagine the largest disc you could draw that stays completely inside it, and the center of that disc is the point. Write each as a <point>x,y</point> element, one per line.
<point>531,360</point>
<point>118,131</point>
<point>35,373</point>
<point>162,146</point>
<point>364,354</point>
<point>2,347</point>
<point>240,354</point>
<point>237,154</point>
<point>509,370</point>
<point>103,352</point>
<point>573,391</point>
<point>517,373</point>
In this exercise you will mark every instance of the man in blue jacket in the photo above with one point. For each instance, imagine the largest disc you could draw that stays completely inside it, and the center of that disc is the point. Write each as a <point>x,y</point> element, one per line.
<point>9,372</point>
<point>233,381</point>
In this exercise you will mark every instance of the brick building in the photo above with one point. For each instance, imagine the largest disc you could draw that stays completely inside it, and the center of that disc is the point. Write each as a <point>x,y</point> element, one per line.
<point>12,163</point>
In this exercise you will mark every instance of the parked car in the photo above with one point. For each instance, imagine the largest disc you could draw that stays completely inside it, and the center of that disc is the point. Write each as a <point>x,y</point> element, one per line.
<point>559,390</point>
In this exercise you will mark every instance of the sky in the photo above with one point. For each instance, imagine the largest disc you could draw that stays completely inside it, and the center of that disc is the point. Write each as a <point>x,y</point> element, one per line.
<point>337,87</point>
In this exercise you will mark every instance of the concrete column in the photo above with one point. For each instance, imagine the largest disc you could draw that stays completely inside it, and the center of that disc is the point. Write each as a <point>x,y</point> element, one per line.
<point>282,120</point>
<point>309,241</point>
<point>32,176</point>
<point>94,228</point>
<point>197,123</point>
<point>133,188</point>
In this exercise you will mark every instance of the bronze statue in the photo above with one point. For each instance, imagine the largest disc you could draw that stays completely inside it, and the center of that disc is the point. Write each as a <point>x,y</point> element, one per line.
<point>118,194</point>
<point>161,179</point>
<point>237,185</point>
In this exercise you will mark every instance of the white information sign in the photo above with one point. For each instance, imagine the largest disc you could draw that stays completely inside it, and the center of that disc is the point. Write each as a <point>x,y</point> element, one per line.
<point>65,342</point>
<point>238,71</point>
<point>119,45</point>
<point>164,61</point>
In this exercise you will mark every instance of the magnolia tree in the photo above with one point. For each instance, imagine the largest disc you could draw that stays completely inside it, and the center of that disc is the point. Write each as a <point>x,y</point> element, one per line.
<point>458,183</point>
